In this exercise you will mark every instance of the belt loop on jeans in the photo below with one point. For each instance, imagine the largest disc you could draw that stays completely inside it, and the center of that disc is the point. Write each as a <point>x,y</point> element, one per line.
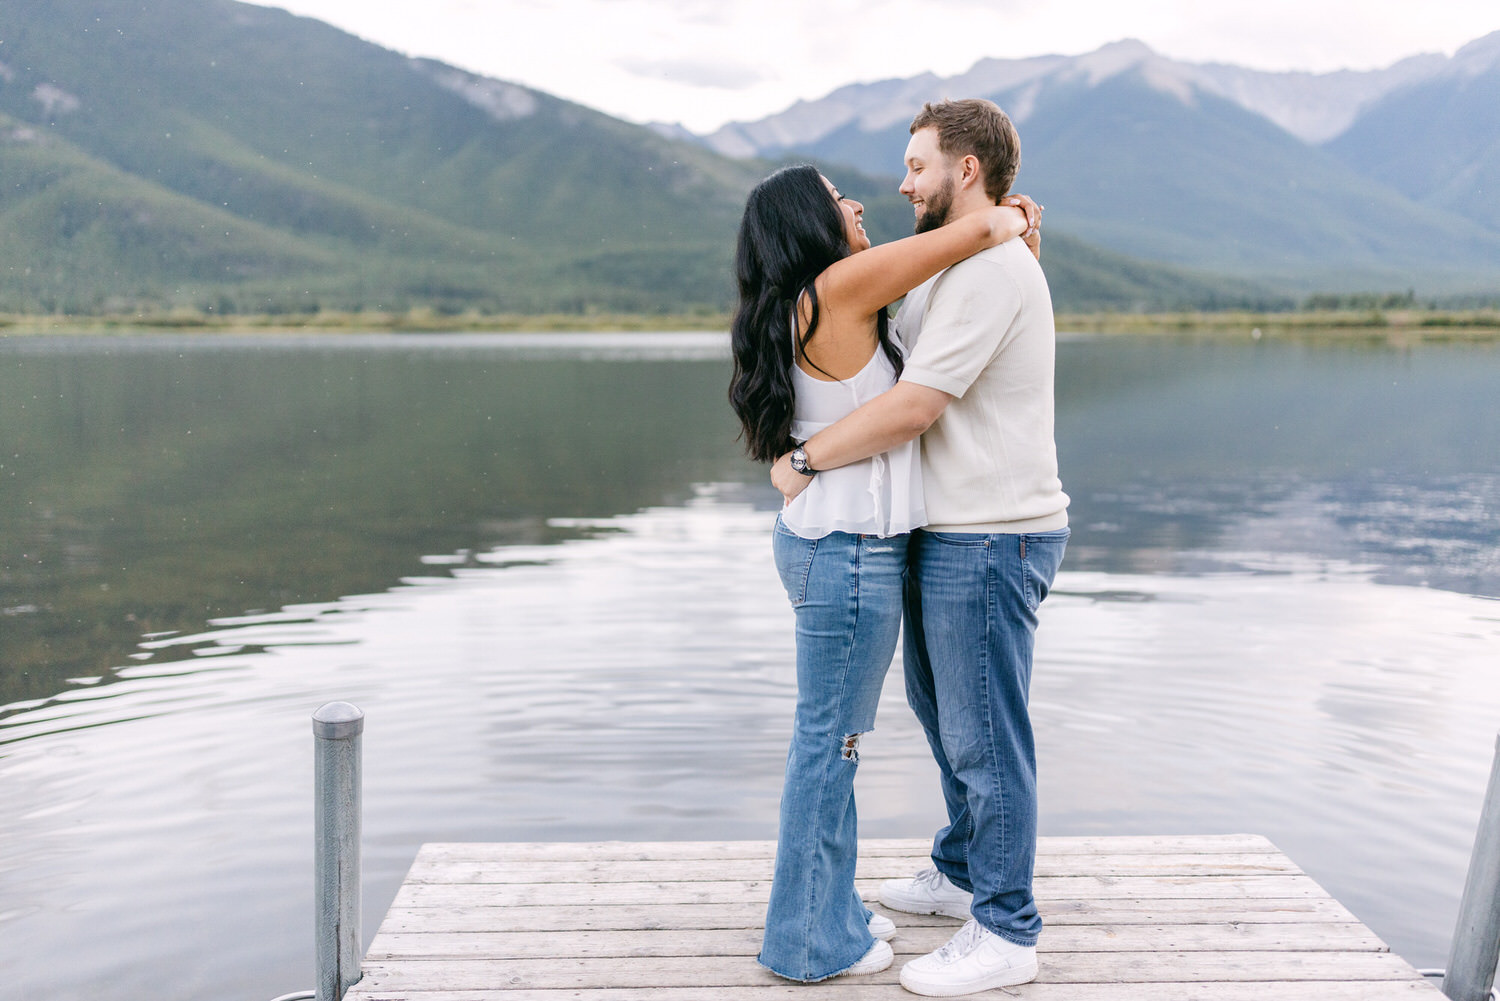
<point>1023,547</point>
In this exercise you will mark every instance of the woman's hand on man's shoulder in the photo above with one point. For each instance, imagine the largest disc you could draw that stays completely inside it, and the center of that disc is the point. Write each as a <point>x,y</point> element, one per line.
<point>1032,234</point>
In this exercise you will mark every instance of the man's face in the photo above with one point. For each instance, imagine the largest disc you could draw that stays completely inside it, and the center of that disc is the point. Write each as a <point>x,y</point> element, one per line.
<point>929,183</point>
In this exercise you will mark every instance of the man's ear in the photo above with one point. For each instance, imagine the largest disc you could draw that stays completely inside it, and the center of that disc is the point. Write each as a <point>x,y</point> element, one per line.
<point>969,172</point>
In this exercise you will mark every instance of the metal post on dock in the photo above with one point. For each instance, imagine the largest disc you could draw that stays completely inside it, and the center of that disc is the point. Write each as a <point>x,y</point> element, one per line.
<point>1476,939</point>
<point>336,752</point>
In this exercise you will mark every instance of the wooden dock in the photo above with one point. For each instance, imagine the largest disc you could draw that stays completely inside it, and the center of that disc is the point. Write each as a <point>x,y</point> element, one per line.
<point>1127,919</point>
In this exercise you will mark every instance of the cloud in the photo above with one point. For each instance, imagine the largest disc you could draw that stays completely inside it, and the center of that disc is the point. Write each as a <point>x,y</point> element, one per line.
<point>705,62</point>
<point>719,74</point>
<point>705,13</point>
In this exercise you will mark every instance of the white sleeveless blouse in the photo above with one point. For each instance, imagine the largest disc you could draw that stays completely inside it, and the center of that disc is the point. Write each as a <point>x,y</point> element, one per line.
<point>881,495</point>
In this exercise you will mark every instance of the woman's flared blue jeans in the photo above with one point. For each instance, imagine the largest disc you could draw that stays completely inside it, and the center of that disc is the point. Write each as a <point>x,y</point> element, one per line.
<point>846,592</point>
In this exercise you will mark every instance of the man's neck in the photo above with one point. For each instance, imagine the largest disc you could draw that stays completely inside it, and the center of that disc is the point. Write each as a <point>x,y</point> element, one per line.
<point>968,202</point>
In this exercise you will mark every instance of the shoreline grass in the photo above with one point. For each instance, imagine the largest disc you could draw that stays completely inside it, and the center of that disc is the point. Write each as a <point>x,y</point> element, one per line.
<point>1393,325</point>
<point>413,321</point>
<point>1397,325</point>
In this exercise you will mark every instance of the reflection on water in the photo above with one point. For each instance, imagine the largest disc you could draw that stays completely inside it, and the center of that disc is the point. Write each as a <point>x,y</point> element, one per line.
<point>153,485</point>
<point>1367,455</point>
<point>544,575</point>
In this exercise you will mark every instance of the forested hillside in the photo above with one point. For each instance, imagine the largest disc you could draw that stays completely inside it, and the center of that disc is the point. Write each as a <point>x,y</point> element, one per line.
<point>229,158</point>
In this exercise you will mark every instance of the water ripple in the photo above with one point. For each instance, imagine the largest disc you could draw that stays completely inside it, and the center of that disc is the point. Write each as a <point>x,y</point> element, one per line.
<point>637,682</point>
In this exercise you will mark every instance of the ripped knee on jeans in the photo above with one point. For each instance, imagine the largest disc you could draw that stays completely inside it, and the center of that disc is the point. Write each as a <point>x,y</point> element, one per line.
<point>850,749</point>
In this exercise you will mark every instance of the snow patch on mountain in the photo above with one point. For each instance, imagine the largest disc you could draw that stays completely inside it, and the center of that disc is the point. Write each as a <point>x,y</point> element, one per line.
<point>1478,57</point>
<point>502,101</point>
<point>55,100</point>
<point>1315,107</point>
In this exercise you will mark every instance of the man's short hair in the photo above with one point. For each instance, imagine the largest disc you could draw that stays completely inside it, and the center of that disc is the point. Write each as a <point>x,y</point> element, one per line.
<point>978,127</point>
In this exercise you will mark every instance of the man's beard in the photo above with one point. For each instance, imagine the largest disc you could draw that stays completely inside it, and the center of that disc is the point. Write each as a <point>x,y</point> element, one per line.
<point>936,209</point>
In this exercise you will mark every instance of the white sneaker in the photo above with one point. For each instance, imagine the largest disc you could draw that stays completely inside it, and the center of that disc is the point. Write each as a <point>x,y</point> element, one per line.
<point>878,958</point>
<point>881,926</point>
<point>976,959</point>
<point>928,892</point>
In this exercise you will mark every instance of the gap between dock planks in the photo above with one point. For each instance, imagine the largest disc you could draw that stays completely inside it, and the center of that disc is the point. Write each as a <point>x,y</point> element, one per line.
<point>1221,918</point>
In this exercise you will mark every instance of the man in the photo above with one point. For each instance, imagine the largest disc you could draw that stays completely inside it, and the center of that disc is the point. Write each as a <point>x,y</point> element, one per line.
<point>978,388</point>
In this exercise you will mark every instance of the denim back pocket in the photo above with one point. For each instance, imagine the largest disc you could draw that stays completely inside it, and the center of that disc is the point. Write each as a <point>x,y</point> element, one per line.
<point>1042,555</point>
<point>972,540</point>
<point>794,556</point>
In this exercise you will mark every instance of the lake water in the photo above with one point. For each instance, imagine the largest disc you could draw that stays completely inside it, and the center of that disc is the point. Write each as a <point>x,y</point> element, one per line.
<point>541,567</point>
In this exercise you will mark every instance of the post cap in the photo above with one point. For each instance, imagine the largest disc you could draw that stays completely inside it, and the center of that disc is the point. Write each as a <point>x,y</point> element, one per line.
<point>335,720</point>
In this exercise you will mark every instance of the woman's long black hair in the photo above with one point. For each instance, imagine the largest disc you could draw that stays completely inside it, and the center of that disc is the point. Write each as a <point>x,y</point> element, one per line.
<point>791,232</point>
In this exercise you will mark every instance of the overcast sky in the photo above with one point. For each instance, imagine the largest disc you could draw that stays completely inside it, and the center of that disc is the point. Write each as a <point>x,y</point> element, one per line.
<point>705,62</point>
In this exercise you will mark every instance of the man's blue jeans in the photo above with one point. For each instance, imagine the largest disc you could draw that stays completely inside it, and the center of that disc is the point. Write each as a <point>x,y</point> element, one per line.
<point>971,604</point>
<point>847,594</point>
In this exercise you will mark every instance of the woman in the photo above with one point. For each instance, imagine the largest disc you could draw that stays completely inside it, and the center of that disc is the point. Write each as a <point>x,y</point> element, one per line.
<point>811,344</point>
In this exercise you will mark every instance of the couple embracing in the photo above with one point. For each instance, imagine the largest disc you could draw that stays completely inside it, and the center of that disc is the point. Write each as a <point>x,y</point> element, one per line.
<point>921,478</point>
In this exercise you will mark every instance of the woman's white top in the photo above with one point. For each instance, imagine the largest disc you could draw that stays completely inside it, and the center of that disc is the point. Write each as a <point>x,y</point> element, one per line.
<point>881,495</point>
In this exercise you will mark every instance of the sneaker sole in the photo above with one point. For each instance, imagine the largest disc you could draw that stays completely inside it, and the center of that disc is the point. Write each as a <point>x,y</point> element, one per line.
<point>867,966</point>
<point>954,909</point>
<point>1003,978</point>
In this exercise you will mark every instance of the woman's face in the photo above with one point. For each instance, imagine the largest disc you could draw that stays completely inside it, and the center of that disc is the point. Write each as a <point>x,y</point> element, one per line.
<point>853,213</point>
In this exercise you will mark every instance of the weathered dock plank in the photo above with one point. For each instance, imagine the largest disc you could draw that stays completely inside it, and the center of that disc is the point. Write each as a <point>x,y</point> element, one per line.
<point>919,939</point>
<point>1060,913</point>
<point>730,891</point>
<point>593,851</point>
<point>1389,990</point>
<point>721,971</point>
<point>1167,918</point>
<point>428,870</point>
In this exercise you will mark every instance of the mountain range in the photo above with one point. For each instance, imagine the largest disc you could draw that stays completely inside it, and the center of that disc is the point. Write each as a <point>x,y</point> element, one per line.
<point>224,157</point>
<point>193,152</point>
<point>1387,178</point>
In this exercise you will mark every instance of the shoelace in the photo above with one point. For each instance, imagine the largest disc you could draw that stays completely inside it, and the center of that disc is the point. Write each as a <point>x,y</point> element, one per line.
<point>960,944</point>
<point>929,877</point>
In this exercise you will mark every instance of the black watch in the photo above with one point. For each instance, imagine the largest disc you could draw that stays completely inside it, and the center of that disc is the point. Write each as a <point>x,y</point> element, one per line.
<point>798,459</point>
